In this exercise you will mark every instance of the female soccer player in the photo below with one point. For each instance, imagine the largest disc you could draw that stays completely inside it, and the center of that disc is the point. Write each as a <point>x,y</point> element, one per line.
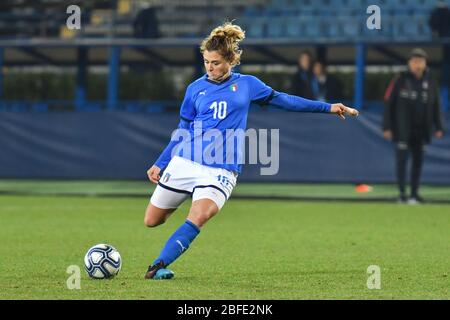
<point>216,102</point>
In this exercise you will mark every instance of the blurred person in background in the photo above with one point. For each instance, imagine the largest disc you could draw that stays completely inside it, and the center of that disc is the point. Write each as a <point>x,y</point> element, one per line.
<point>145,24</point>
<point>329,87</point>
<point>304,82</point>
<point>439,21</point>
<point>412,112</point>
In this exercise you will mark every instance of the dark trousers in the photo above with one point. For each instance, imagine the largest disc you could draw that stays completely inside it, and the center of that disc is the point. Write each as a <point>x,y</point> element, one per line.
<point>416,148</point>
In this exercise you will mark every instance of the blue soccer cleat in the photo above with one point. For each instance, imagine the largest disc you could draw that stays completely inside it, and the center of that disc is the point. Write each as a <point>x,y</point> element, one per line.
<point>158,272</point>
<point>163,274</point>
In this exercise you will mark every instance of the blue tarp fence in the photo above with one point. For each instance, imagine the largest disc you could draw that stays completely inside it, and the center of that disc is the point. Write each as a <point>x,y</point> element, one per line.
<point>123,145</point>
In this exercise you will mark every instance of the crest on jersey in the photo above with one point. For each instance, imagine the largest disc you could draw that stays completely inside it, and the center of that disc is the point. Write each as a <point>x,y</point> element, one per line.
<point>234,87</point>
<point>166,177</point>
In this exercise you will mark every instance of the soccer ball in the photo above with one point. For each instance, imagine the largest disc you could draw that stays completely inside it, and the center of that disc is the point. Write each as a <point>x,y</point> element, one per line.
<point>102,261</point>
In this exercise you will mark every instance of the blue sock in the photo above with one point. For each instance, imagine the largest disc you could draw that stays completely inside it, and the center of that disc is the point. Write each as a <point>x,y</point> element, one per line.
<point>178,243</point>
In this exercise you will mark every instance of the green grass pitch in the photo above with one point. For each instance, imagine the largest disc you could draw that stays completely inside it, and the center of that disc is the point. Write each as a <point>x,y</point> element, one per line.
<point>251,250</point>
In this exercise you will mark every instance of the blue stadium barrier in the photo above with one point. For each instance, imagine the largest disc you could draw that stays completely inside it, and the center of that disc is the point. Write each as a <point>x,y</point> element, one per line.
<point>122,145</point>
<point>18,107</point>
<point>39,107</point>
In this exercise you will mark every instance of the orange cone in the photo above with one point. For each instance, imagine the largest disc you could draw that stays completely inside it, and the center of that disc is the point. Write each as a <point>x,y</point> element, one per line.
<point>363,188</point>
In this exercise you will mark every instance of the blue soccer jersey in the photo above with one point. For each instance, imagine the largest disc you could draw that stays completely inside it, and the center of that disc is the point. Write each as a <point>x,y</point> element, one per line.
<point>214,116</point>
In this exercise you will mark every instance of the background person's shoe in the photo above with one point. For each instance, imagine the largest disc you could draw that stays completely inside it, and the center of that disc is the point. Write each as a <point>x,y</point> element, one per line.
<point>415,200</point>
<point>402,199</point>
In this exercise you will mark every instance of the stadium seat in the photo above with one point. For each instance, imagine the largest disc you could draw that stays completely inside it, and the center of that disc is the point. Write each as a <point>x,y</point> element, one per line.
<point>312,27</point>
<point>404,27</point>
<point>423,29</point>
<point>309,5</point>
<point>271,12</point>
<point>280,3</point>
<point>276,28</point>
<point>355,4</point>
<point>426,28</point>
<point>338,4</point>
<point>350,27</point>
<point>257,28</point>
<point>252,11</point>
<point>333,30</point>
<point>293,27</point>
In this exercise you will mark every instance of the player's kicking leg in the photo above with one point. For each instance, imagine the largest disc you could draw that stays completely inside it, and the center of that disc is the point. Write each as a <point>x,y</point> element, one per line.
<point>206,204</point>
<point>162,204</point>
<point>210,189</point>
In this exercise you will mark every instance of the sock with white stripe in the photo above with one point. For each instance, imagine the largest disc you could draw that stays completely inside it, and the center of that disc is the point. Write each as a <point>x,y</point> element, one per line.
<point>178,243</point>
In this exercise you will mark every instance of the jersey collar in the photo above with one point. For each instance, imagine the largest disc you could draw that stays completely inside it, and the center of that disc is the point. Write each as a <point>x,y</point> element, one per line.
<point>221,82</point>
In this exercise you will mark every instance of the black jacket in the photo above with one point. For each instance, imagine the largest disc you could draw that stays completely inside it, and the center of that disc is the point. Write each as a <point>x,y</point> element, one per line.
<point>412,108</point>
<point>303,84</point>
<point>146,24</point>
<point>440,22</point>
<point>331,89</point>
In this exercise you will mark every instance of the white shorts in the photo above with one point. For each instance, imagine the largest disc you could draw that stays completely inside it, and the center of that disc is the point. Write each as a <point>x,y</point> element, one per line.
<point>183,178</point>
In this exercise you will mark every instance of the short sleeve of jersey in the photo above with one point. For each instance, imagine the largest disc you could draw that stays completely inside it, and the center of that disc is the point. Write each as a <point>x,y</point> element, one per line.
<point>259,91</point>
<point>187,110</point>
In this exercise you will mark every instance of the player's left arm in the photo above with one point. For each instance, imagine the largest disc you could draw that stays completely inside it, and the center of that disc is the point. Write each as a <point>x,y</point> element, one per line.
<point>187,114</point>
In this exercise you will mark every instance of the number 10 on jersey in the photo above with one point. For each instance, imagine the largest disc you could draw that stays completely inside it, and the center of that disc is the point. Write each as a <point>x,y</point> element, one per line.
<point>220,109</point>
